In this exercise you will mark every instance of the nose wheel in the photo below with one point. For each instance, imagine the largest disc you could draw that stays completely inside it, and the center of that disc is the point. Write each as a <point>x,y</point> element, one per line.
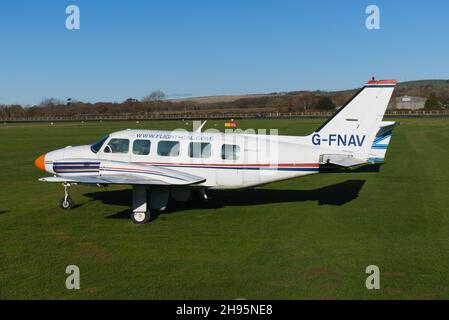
<point>66,201</point>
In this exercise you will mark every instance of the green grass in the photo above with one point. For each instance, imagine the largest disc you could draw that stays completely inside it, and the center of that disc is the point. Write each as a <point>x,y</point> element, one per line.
<point>304,238</point>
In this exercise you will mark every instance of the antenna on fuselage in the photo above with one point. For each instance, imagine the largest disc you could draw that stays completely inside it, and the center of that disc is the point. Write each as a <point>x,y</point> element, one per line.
<point>201,126</point>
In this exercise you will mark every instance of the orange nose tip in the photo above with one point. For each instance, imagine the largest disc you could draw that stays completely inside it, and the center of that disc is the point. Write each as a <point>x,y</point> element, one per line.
<point>40,162</point>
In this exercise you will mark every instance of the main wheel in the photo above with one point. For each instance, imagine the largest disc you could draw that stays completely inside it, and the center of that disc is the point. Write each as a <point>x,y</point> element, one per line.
<point>140,217</point>
<point>66,204</point>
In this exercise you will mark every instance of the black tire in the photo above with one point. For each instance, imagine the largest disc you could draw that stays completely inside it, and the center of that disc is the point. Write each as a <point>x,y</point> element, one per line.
<point>140,217</point>
<point>66,204</point>
<point>197,197</point>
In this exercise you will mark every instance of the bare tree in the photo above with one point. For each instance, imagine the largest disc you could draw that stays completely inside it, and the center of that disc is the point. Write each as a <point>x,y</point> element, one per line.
<point>46,102</point>
<point>156,95</point>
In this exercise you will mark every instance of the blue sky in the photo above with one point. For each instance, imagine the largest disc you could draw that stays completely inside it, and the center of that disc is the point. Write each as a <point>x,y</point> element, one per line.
<point>211,47</point>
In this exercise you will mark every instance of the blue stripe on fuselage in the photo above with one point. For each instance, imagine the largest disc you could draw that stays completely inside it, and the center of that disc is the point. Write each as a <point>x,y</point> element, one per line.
<point>241,168</point>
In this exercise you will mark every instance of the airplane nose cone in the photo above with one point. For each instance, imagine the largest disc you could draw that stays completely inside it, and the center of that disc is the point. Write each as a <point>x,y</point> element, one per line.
<point>40,162</point>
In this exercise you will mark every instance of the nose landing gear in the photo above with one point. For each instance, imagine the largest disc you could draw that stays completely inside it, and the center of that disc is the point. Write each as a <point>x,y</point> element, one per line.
<point>66,202</point>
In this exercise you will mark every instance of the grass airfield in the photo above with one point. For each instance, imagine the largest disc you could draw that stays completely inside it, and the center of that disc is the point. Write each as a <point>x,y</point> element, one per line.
<point>306,238</point>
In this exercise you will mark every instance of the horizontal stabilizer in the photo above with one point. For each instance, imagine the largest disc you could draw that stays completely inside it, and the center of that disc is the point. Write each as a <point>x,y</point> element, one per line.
<point>340,160</point>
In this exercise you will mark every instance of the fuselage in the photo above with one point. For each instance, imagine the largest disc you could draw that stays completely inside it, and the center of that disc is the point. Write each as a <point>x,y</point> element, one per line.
<point>225,161</point>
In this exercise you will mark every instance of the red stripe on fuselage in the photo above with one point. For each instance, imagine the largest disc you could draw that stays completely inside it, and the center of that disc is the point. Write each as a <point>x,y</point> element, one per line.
<point>281,165</point>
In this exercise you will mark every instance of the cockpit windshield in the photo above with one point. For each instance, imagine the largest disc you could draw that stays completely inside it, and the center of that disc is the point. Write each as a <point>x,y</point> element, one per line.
<point>97,145</point>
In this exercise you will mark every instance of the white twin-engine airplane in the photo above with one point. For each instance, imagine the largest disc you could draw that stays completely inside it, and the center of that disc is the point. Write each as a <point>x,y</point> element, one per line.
<point>160,164</point>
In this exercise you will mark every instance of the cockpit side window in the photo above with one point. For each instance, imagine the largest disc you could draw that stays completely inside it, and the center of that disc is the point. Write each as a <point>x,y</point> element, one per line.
<point>97,145</point>
<point>117,146</point>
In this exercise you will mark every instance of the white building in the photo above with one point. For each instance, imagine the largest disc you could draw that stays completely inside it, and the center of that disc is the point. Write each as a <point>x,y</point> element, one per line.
<point>407,102</point>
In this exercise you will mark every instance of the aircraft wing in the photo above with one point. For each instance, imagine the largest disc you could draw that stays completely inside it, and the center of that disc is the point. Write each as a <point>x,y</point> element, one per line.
<point>111,172</point>
<point>122,179</point>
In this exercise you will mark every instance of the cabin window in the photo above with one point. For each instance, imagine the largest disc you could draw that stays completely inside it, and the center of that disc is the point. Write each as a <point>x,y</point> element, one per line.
<point>168,148</point>
<point>199,150</point>
<point>117,146</point>
<point>141,147</point>
<point>230,152</point>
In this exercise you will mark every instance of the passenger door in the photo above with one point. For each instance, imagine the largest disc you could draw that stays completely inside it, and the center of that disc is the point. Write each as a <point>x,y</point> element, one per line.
<point>229,173</point>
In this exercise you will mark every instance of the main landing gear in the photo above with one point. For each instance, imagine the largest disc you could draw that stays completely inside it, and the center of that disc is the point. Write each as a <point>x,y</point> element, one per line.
<point>141,213</point>
<point>66,201</point>
<point>142,198</point>
<point>145,199</point>
<point>141,217</point>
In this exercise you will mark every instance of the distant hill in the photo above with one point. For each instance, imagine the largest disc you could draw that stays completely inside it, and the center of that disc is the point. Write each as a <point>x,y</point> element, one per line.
<point>420,83</point>
<point>417,88</point>
<point>308,100</point>
<point>217,99</point>
<point>423,88</point>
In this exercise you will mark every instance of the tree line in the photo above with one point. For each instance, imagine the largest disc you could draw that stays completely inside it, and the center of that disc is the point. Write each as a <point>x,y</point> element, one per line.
<point>156,103</point>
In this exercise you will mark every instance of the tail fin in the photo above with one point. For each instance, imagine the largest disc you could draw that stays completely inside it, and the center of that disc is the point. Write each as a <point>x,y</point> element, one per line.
<point>353,128</point>
<point>381,141</point>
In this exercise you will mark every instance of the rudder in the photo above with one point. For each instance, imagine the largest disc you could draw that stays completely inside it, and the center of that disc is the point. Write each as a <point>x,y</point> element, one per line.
<point>381,142</point>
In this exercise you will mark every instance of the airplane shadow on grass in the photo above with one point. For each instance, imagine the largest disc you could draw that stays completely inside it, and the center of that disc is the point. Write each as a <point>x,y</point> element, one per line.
<point>336,195</point>
<point>367,168</point>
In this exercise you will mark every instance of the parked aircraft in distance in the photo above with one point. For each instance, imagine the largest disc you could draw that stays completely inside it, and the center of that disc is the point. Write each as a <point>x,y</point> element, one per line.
<point>160,164</point>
